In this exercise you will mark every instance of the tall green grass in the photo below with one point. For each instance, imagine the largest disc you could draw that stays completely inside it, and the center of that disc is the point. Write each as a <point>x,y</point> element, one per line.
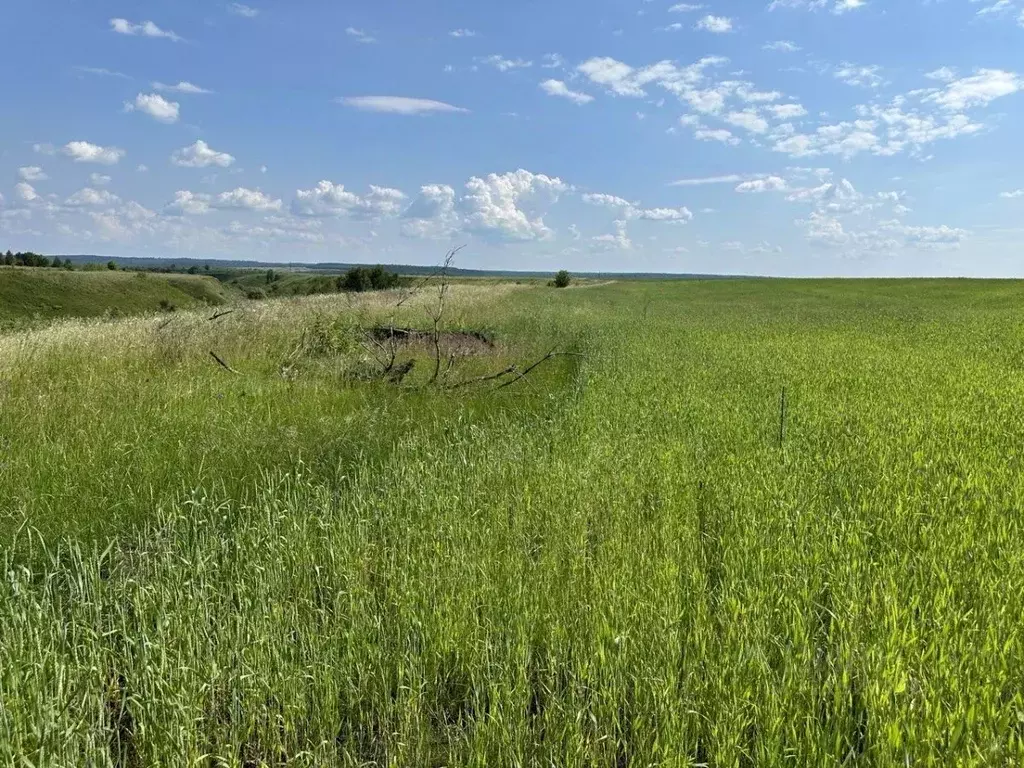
<point>616,564</point>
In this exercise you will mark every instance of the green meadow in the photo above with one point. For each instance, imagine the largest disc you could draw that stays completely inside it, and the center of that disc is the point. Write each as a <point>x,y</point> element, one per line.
<point>738,523</point>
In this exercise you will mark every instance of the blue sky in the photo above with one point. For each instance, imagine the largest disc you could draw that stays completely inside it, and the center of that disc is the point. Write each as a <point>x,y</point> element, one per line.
<point>794,137</point>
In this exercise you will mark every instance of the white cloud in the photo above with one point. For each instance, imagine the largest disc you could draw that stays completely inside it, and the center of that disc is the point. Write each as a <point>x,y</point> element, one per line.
<point>200,155</point>
<point>248,199</point>
<point>838,7</point>
<point>504,206</point>
<point>605,201</point>
<point>156,106</point>
<point>32,173</point>
<point>748,119</point>
<point>782,46</point>
<point>729,179</point>
<point>101,72</point>
<point>715,134</point>
<point>558,88</point>
<point>191,203</point>
<point>978,90</point>
<point>26,192</point>
<point>329,199</point>
<point>681,214</point>
<point>84,152</point>
<point>787,111</point>
<point>942,74</point>
<point>552,61</point>
<point>462,33</point>
<point>717,24</point>
<point>860,76</point>
<point>432,214</point>
<point>182,87</point>
<point>146,29</point>
<point>359,35</point>
<point>1012,195</point>
<point>141,168</point>
<point>399,105</point>
<point>685,8</point>
<point>618,240</point>
<point>765,184</point>
<point>504,65</point>
<point>44,149</point>
<point>99,179</point>
<point>243,10</point>
<point>89,197</point>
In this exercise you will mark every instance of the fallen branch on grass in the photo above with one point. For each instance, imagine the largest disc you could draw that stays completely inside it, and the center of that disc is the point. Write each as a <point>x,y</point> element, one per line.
<point>525,372</point>
<point>218,315</point>
<point>222,363</point>
<point>481,379</point>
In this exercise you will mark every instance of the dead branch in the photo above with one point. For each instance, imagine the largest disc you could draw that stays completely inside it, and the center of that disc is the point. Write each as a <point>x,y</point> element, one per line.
<point>437,315</point>
<point>222,363</point>
<point>488,377</point>
<point>526,371</point>
<point>218,315</point>
<point>422,283</point>
<point>164,324</point>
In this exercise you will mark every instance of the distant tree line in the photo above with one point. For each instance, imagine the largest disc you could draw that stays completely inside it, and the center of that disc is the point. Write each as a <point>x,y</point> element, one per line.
<point>360,279</point>
<point>29,259</point>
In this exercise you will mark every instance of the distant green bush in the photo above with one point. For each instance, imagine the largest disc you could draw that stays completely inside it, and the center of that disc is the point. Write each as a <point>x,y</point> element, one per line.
<point>562,279</point>
<point>360,279</point>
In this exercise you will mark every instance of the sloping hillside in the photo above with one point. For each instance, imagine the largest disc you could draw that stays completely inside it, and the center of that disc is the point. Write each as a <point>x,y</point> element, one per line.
<point>39,293</point>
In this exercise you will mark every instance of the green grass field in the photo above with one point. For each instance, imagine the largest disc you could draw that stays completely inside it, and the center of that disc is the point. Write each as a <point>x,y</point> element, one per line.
<point>630,558</point>
<point>28,294</point>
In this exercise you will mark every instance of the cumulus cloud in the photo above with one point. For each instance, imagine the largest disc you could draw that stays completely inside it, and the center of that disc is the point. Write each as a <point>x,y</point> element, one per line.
<point>145,29</point>
<point>617,240</point>
<point>99,179</point>
<point>399,105</point>
<point>190,203</point>
<point>502,64</point>
<point>787,111</point>
<point>462,33</point>
<point>978,90</point>
<point>156,106</point>
<point>764,184</point>
<point>1012,195</point>
<point>201,155</point>
<point>558,88</point>
<point>506,206</point>
<point>715,134</point>
<point>606,201</point>
<point>782,46</point>
<point>26,192</point>
<point>838,6</point>
<point>84,152</point>
<point>681,214</point>
<point>432,214</point>
<point>32,173</point>
<point>329,199</point>
<point>748,119</point>
<point>247,199</point>
<point>859,76</point>
<point>717,24</point>
<point>181,87</point>
<point>685,8</point>
<point>89,197</point>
